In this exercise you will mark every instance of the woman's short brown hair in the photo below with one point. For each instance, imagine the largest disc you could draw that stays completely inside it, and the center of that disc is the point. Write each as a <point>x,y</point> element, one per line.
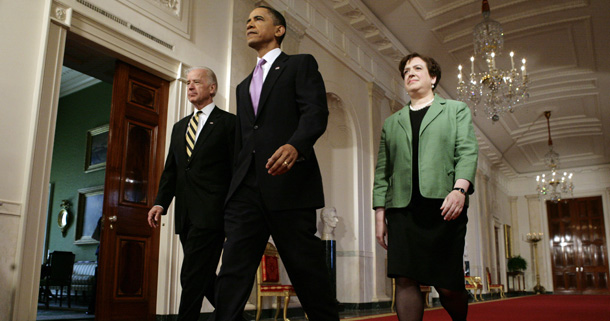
<point>434,69</point>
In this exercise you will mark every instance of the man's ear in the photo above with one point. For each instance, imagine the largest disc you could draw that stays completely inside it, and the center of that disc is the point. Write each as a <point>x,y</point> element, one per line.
<point>279,31</point>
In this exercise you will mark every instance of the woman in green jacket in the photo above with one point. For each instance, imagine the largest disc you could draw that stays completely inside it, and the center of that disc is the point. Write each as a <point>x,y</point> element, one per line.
<point>425,171</point>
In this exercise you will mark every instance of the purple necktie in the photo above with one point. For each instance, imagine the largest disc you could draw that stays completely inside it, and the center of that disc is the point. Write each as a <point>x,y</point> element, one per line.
<point>256,85</point>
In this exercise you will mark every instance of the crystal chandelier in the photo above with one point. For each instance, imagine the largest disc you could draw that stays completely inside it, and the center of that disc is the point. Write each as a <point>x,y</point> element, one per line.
<point>496,89</point>
<point>552,186</point>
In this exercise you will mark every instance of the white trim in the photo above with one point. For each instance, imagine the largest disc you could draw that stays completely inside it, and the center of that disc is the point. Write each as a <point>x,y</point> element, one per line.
<point>34,217</point>
<point>10,208</point>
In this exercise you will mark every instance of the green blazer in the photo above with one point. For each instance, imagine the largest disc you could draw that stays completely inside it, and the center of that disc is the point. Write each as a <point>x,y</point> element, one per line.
<point>448,150</point>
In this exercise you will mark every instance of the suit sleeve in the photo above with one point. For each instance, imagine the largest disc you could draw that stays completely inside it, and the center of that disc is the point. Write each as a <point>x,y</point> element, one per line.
<point>167,183</point>
<point>466,147</point>
<point>311,101</point>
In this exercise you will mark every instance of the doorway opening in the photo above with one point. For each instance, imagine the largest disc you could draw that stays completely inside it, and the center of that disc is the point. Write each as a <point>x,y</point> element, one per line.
<point>77,183</point>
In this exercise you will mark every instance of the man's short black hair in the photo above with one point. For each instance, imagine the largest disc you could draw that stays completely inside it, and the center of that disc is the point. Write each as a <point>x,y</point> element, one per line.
<point>278,20</point>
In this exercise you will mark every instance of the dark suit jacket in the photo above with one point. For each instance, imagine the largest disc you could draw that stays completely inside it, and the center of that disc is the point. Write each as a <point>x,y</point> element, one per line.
<point>200,185</point>
<point>292,110</point>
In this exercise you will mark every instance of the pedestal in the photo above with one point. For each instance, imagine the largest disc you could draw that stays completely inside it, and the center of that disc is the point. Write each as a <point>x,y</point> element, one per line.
<point>331,264</point>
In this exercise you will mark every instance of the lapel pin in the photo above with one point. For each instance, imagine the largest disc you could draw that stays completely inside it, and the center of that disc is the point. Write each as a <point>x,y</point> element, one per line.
<point>211,123</point>
<point>277,68</point>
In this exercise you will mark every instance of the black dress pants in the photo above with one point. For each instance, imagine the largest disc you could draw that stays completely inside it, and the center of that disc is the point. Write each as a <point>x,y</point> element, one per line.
<point>248,225</point>
<point>202,248</point>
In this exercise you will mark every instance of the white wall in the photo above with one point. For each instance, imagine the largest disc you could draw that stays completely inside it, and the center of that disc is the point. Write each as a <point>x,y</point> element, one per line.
<point>20,67</point>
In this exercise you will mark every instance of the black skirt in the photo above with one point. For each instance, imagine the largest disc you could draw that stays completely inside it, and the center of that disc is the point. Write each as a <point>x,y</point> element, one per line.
<point>424,247</point>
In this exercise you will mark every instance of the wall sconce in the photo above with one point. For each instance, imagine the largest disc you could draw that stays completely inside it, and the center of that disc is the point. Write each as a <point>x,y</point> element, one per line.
<point>64,218</point>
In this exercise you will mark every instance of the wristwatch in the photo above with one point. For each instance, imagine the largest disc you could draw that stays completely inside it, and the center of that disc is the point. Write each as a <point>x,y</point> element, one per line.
<point>459,189</point>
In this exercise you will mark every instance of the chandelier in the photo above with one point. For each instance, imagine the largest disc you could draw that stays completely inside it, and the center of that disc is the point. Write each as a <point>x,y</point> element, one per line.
<point>496,89</point>
<point>552,186</point>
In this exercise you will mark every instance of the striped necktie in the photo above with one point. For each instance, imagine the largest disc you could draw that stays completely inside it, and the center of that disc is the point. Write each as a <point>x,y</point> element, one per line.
<point>191,133</point>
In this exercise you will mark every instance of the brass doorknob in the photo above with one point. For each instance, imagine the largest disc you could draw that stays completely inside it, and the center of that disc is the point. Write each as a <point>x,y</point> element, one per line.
<point>113,218</point>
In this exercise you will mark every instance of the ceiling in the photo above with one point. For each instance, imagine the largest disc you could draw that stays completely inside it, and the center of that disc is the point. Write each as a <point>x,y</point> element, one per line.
<point>84,66</point>
<point>567,46</point>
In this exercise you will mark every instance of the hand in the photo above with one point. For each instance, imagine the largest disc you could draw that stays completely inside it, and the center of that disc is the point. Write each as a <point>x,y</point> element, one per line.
<point>381,229</point>
<point>453,205</point>
<point>282,160</point>
<point>154,216</point>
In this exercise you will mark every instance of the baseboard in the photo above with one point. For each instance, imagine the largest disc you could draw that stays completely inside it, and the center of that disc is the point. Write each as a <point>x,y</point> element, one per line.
<point>365,306</point>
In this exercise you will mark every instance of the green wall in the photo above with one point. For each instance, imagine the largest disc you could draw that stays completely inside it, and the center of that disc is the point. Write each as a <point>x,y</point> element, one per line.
<point>77,113</point>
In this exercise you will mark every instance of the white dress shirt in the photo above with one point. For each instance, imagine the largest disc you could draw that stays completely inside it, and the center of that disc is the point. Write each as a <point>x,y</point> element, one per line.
<point>270,58</point>
<point>203,117</point>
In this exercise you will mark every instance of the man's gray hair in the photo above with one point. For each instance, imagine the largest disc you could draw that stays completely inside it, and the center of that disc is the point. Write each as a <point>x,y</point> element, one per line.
<point>210,75</point>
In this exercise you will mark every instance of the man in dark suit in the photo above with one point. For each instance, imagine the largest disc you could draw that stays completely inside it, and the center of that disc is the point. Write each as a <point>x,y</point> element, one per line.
<point>277,185</point>
<point>197,174</point>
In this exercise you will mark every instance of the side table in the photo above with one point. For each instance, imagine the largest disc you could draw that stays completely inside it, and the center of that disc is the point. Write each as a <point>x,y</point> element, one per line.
<point>519,276</point>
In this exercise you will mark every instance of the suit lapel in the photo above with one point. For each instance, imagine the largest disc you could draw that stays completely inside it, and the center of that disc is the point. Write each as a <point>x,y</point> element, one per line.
<point>181,140</point>
<point>206,130</point>
<point>433,112</point>
<point>404,120</point>
<point>274,73</point>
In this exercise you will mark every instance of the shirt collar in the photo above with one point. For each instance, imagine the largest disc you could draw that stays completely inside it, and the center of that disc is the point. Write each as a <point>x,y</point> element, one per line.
<point>270,56</point>
<point>207,110</point>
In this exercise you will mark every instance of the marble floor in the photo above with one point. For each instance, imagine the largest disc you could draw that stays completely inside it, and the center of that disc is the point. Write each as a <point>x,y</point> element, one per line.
<point>77,311</point>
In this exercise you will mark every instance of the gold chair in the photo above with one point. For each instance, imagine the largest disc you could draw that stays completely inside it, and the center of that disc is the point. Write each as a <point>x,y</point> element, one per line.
<point>268,282</point>
<point>425,289</point>
<point>494,287</point>
<point>474,283</point>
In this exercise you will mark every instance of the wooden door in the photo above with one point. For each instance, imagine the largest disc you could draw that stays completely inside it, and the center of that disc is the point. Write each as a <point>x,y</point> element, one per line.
<point>592,246</point>
<point>578,243</point>
<point>129,247</point>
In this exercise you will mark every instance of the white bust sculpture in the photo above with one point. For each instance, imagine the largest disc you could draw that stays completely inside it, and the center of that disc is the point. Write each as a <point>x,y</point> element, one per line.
<point>330,220</point>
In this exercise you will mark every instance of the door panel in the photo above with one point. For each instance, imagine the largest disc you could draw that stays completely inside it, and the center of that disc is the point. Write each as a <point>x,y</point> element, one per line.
<point>562,248</point>
<point>129,248</point>
<point>594,268</point>
<point>578,241</point>
<point>136,166</point>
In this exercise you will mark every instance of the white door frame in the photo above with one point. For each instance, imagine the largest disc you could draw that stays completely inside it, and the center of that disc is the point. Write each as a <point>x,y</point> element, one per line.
<point>63,19</point>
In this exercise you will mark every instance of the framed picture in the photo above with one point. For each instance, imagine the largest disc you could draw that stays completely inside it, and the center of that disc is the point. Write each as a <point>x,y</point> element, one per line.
<point>97,147</point>
<point>508,241</point>
<point>90,203</point>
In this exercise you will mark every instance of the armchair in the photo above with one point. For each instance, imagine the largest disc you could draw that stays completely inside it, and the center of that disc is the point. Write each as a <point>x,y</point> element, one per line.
<point>474,283</point>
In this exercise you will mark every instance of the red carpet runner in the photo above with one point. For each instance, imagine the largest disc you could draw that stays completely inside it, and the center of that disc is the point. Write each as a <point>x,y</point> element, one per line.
<point>529,308</point>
